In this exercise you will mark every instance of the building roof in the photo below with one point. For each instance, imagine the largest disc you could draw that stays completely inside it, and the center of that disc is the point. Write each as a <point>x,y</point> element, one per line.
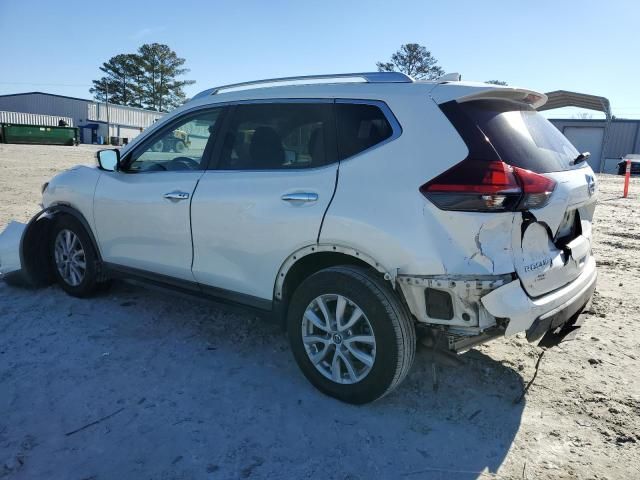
<point>81,100</point>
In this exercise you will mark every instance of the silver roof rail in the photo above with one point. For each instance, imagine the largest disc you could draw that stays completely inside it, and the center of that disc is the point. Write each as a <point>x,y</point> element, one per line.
<point>369,77</point>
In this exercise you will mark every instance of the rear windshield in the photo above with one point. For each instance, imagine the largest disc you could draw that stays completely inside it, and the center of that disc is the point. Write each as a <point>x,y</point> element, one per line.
<point>521,136</point>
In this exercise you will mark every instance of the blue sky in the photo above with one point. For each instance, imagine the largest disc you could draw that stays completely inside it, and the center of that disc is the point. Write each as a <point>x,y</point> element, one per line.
<point>586,46</point>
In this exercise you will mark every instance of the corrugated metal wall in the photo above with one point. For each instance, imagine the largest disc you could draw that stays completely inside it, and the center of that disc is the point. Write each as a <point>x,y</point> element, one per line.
<point>22,118</point>
<point>624,135</point>
<point>46,105</point>
<point>82,112</point>
<point>125,116</point>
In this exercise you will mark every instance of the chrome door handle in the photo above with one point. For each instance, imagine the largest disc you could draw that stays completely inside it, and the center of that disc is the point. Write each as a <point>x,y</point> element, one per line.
<point>176,195</point>
<point>300,197</point>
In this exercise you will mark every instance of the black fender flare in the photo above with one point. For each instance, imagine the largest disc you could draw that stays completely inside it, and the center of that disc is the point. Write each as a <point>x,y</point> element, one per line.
<point>34,259</point>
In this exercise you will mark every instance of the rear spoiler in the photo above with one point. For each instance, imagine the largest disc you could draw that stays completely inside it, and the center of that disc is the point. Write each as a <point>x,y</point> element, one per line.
<point>530,97</point>
<point>466,92</point>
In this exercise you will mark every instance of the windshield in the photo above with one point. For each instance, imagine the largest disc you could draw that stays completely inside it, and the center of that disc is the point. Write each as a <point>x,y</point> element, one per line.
<point>521,136</point>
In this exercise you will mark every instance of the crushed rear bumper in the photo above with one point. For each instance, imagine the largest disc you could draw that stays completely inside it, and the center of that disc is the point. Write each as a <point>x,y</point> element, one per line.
<point>560,315</point>
<point>537,315</point>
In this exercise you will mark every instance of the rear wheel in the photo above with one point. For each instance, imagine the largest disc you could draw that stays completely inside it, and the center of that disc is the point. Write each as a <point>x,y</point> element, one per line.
<point>350,335</point>
<point>73,258</point>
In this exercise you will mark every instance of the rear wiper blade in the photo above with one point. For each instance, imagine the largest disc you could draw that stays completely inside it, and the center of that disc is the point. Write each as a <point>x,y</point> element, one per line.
<point>581,158</point>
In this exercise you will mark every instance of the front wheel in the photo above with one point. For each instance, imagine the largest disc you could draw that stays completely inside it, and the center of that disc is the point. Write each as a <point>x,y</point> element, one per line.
<point>158,146</point>
<point>180,146</point>
<point>350,334</point>
<point>73,258</point>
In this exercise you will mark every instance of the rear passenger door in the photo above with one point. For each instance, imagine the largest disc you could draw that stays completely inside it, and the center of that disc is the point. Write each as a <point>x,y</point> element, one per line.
<point>275,175</point>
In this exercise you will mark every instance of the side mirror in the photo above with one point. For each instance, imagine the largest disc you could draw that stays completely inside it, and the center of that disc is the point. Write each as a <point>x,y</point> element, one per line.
<point>109,160</point>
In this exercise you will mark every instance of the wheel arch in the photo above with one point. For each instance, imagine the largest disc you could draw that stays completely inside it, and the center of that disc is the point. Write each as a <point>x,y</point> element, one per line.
<point>34,244</point>
<point>310,259</point>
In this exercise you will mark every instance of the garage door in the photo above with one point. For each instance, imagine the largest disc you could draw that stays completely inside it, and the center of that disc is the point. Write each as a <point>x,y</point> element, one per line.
<point>587,139</point>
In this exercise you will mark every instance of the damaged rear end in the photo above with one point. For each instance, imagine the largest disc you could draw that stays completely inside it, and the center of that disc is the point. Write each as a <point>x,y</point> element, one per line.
<point>521,205</point>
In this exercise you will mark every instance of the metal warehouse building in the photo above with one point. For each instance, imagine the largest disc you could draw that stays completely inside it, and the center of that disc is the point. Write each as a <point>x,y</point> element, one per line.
<point>90,116</point>
<point>589,135</point>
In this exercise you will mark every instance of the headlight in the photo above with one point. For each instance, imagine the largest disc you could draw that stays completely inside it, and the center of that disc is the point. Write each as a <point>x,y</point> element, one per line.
<point>44,186</point>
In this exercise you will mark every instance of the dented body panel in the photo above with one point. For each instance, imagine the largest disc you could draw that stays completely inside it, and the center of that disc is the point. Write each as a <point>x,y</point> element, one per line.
<point>544,260</point>
<point>468,314</point>
<point>473,274</point>
<point>512,302</point>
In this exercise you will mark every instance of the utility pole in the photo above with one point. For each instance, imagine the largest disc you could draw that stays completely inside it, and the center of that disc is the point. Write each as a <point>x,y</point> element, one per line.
<point>107,103</point>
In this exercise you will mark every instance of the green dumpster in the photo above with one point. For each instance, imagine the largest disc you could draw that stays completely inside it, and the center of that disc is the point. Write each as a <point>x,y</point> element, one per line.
<point>42,134</point>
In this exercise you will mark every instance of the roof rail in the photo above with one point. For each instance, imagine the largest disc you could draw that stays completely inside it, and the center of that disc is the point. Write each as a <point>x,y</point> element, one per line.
<point>369,77</point>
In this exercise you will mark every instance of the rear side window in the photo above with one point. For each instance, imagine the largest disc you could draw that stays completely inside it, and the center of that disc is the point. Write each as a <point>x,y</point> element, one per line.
<point>520,135</point>
<point>274,136</point>
<point>360,126</point>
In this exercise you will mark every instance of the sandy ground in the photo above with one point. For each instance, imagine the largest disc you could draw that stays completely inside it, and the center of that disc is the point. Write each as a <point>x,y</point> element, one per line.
<point>195,390</point>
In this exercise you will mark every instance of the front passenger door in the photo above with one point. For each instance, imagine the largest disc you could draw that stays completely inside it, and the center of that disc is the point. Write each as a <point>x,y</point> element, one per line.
<point>142,211</point>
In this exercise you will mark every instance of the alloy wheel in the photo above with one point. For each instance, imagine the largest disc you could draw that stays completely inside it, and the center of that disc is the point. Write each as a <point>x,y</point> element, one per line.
<point>338,339</point>
<point>70,257</point>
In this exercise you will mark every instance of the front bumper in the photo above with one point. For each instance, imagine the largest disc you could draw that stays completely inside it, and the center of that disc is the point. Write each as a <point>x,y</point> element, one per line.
<point>537,315</point>
<point>10,240</point>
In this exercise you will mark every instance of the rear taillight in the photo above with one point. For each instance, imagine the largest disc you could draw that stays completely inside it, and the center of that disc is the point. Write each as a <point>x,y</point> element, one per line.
<point>536,188</point>
<point>488,186</point>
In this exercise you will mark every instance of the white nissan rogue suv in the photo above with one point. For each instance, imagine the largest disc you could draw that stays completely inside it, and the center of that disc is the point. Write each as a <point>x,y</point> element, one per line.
<point>355,208</point>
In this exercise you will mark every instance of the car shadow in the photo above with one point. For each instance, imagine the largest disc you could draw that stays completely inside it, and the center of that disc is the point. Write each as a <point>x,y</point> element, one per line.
<point>204,391</point>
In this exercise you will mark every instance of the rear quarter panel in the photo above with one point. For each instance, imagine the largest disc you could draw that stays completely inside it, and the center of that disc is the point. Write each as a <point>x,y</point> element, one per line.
<point>378,208</point>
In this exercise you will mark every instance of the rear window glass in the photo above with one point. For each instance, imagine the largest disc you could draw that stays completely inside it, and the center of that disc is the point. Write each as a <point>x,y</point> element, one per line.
<point>521,136</point>
<point>360,126</point>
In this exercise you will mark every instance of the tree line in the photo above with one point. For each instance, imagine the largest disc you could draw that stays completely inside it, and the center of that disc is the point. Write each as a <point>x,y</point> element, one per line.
<point>416,61</point>
<point>150,79</point>
<point>145,79</point>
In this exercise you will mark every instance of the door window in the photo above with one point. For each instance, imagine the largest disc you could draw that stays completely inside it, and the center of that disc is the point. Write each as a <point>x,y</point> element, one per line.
<point>182,147</point>
<point>273,136</point>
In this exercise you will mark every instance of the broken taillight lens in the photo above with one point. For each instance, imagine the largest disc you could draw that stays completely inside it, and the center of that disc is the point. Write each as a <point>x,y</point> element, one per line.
<point>536,188</point>
<point>488,186</point>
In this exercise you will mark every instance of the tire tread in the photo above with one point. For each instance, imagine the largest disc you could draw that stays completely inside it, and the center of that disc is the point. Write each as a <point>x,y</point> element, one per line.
<point>390,309</point>
<point>395,309</point>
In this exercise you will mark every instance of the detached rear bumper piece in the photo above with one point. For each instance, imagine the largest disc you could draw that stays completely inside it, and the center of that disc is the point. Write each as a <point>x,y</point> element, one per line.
<point>559,316</point>
<point>10,240</point>
<point>537,315</point>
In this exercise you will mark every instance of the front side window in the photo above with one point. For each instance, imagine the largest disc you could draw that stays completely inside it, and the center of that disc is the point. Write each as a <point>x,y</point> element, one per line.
<point>275,136</point>
<point>360,127</point>
<point>182,147</point>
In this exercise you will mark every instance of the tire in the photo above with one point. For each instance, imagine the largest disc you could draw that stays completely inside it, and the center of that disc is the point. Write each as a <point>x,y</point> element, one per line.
<point>158,146</point>
<point>180,146</point>
<point>85,283</point>
<point>384,318</point>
